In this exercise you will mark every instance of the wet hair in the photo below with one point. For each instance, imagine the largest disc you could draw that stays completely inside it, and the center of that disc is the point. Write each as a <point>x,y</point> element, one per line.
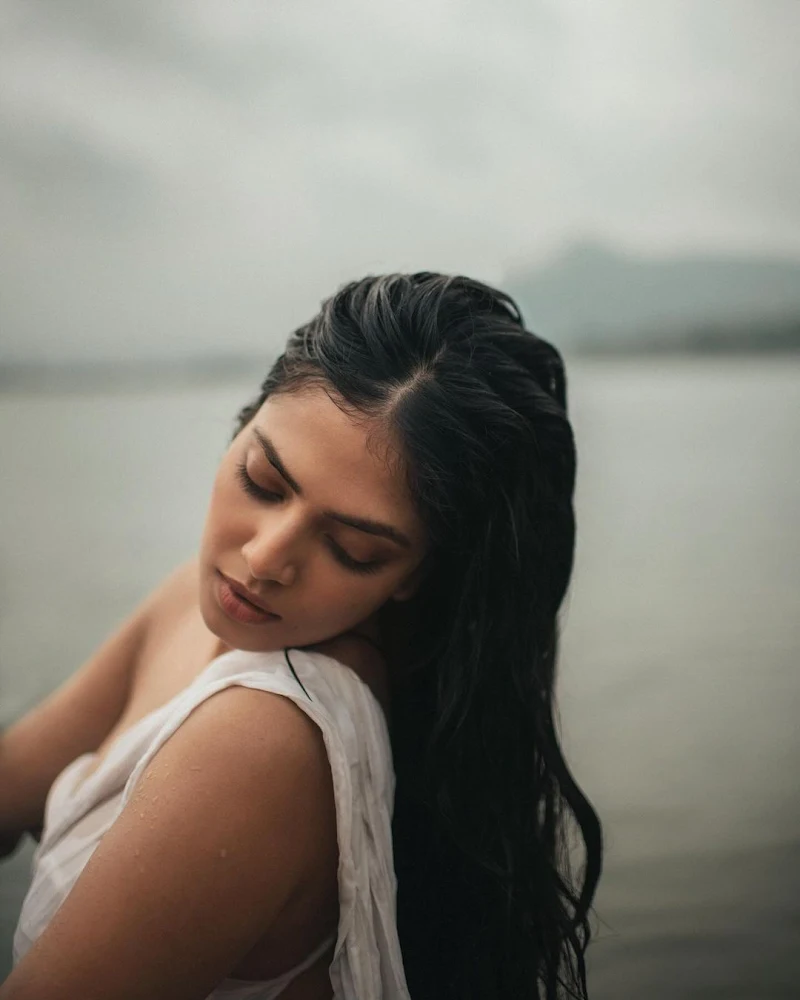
<point>486,807</point>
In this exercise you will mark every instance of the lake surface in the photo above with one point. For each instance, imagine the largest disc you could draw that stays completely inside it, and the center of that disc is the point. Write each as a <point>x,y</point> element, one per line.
<point>679,688</point>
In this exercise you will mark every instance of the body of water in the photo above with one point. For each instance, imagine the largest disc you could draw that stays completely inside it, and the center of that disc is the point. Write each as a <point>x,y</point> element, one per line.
<point>679,686</point>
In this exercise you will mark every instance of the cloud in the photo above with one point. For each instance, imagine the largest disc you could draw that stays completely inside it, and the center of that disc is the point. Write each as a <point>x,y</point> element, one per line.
<point>178,177</point>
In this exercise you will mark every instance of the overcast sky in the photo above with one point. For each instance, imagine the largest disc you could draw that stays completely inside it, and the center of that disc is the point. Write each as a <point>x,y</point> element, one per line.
<point>195,176</point>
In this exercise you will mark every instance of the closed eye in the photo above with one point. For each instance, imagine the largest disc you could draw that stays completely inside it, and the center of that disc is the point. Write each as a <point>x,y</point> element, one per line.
<point>267,496</point>
<point>253,488</point>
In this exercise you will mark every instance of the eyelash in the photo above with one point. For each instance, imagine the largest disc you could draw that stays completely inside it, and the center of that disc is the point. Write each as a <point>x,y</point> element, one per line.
<point>258,493</point>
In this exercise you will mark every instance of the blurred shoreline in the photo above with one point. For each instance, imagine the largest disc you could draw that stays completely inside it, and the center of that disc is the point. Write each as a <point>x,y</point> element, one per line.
<point>138,374</point>
<point>135,375</point>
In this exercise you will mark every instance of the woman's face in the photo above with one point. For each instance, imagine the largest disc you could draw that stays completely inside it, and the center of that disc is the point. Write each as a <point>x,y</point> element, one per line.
<point>314,526</point>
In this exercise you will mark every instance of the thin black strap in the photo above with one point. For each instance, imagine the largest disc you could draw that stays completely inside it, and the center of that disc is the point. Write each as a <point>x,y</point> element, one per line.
<point>359,635</point>
<point>289,664</point>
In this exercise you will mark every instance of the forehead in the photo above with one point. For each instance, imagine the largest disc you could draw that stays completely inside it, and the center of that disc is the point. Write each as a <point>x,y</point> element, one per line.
<point>350,462</point>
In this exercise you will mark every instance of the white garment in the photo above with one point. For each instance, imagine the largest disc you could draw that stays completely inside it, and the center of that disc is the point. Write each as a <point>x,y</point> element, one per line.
<point>367,963</point>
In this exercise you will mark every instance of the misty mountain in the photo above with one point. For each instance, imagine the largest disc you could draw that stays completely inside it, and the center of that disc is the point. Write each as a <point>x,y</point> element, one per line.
<point>592,296</point>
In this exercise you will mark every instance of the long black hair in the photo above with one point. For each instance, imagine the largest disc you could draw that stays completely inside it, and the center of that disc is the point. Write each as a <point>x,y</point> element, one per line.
<point>485,803</point>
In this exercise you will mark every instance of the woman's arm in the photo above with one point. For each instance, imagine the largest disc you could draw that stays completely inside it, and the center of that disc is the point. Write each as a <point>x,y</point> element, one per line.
<point>233,818</point>
<point>74,719</point>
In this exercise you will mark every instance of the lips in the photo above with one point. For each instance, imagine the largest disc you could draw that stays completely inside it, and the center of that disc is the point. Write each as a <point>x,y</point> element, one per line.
<point>244,593</point>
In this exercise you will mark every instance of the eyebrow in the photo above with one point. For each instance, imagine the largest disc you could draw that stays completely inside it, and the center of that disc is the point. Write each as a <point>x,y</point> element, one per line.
<point>361,523</point>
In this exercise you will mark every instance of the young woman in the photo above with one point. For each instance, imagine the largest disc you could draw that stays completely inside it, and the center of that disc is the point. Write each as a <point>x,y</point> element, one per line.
<point>322,758</point>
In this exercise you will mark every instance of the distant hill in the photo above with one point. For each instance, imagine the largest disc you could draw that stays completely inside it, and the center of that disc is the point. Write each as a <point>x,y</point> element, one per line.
<point>134,374</point>
<point>592,298</point>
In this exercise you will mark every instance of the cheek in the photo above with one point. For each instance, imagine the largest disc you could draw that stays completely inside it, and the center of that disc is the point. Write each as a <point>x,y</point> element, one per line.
<point>362,597</point>
<point>222,515</point>
<point>339,591</point>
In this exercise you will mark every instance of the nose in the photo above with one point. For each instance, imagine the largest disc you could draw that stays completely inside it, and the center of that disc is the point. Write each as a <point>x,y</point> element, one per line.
<point>272,553</point>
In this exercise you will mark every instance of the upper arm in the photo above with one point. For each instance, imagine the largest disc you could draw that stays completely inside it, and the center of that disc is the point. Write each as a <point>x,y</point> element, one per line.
<point>74,719</point>
<point>229,821</point>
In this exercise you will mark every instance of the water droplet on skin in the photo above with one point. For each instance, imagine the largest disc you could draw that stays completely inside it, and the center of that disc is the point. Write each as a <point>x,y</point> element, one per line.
<point>141,815</point>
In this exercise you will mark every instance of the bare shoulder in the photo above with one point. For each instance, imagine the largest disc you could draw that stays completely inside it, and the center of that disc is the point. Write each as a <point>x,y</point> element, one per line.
<point>231,820</point>
<point>251,729</point>
<point>236,743</point>
<point>79,715</point>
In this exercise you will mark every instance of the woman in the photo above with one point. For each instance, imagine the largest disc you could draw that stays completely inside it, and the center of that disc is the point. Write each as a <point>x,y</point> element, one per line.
<point>389,540</point>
